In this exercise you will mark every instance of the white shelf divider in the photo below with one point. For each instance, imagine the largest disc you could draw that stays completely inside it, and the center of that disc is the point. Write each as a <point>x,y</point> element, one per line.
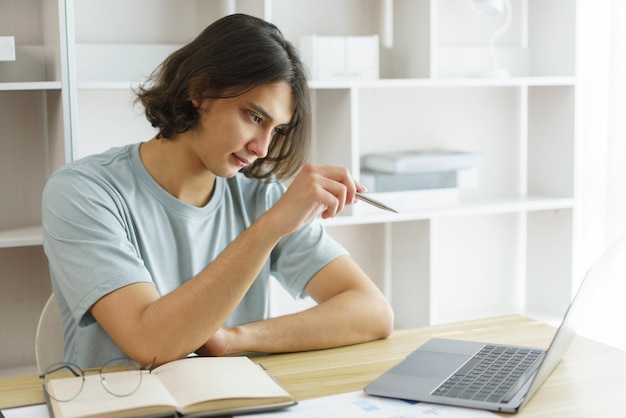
<point>21,237</point>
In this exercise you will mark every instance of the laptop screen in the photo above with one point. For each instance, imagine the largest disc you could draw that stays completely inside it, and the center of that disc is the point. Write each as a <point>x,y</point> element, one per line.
<point>611,264</point>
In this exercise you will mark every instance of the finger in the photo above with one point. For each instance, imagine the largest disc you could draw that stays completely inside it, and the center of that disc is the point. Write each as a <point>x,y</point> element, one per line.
<point>332,195</point>
<point>342,176</point>
<point>360,188</point>
<point>327,199</point>
<point>331,187</point>
<point>316,211</point>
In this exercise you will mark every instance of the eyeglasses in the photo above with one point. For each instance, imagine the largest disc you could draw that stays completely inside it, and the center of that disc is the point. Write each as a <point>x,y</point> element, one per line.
<point>120,377</point>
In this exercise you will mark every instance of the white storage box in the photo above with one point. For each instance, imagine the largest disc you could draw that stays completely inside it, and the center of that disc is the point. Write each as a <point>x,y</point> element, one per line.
<point>7,48</point>
<point>378,181</point>
<point>341,57</point>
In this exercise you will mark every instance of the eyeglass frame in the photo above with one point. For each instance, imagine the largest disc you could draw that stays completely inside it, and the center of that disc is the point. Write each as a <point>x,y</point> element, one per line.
<point>79,372</point>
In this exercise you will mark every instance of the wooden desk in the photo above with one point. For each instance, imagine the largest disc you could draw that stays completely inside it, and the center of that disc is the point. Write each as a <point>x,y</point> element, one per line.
<point>589,382</point>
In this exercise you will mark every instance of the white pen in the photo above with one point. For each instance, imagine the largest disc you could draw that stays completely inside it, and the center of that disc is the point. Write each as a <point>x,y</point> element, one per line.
<point>374,202</point>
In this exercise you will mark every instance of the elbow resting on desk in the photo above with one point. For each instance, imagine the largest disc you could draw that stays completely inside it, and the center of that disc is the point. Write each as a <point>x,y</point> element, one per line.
<point>387,327</point>
<point>382,325</point>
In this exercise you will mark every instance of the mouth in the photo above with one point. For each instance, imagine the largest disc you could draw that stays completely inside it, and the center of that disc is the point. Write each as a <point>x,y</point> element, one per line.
<point>241,162</point>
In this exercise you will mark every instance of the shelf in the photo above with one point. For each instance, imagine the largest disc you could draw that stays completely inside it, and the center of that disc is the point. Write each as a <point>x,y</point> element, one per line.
<point>465,208</point>
<point>385,83</point>
<point>30,85</point>
<point>444,82</point>
<point>21,237</point>
<point>33,235</point>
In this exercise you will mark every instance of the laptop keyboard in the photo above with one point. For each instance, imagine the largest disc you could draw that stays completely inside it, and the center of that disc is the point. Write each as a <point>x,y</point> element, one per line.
<point>491,373</point>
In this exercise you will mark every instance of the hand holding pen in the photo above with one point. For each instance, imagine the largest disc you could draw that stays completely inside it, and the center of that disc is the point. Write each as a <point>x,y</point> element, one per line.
<point>318,190</point>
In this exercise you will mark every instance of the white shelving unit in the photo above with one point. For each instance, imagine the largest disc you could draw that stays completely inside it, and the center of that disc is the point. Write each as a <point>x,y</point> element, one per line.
<point>506,247</point>
<point>34,115</point>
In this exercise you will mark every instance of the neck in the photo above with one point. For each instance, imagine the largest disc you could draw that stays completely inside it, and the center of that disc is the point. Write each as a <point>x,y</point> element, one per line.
<point>178,170</point>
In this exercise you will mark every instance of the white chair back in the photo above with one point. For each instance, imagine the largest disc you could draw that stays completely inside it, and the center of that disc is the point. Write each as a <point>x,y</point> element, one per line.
<point>49,337</point>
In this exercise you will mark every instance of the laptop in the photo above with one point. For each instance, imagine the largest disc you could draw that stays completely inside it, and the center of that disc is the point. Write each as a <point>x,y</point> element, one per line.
<point>454,372</point>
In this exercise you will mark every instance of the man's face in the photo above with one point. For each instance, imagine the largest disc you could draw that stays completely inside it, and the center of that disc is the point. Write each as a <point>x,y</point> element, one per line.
<point>232,133</point>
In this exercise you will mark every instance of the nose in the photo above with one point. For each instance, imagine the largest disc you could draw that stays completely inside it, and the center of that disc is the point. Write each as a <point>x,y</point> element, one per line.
<point>260,145</point>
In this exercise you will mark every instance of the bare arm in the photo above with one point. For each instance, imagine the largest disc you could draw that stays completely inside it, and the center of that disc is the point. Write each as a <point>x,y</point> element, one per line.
<point>350,310</point>
<point>146,325</point>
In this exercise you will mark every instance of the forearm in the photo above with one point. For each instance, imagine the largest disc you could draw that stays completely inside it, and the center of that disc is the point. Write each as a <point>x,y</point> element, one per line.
<point>348,318</point>
<point>145,325</point>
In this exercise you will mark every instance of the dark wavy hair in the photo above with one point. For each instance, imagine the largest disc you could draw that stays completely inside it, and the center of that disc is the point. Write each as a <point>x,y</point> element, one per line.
<point>232,56</point>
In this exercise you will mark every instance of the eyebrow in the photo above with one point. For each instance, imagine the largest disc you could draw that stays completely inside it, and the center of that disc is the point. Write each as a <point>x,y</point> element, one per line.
<point>262,111</point>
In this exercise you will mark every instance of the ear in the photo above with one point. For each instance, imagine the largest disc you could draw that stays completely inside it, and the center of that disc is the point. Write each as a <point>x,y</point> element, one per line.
<point>201,105</point>
<point>197,90</point>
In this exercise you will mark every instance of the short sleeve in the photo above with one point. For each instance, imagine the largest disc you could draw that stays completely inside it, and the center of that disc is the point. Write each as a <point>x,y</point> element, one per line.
<point>85,239</point>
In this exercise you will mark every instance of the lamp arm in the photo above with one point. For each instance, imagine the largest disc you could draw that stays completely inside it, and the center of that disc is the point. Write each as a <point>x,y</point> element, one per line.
<point>498,32</point>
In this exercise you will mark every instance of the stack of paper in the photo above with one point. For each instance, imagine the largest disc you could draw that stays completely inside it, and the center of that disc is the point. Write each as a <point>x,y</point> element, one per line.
<point>421,178</point>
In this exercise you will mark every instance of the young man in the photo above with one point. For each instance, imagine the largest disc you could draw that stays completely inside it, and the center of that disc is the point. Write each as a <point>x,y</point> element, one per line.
<point>166,247</point>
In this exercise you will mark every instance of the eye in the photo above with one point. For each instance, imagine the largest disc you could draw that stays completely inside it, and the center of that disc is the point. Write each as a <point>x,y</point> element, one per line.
<point>281,130</point>
<point>255,118</point>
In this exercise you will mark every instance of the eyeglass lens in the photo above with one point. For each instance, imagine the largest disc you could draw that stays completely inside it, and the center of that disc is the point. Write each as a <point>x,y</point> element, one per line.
<point>121,377</point>
<point>66,389</point>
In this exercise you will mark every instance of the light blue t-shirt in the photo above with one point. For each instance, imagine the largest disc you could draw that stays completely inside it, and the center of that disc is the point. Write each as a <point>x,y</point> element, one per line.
<point>107,224</point>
